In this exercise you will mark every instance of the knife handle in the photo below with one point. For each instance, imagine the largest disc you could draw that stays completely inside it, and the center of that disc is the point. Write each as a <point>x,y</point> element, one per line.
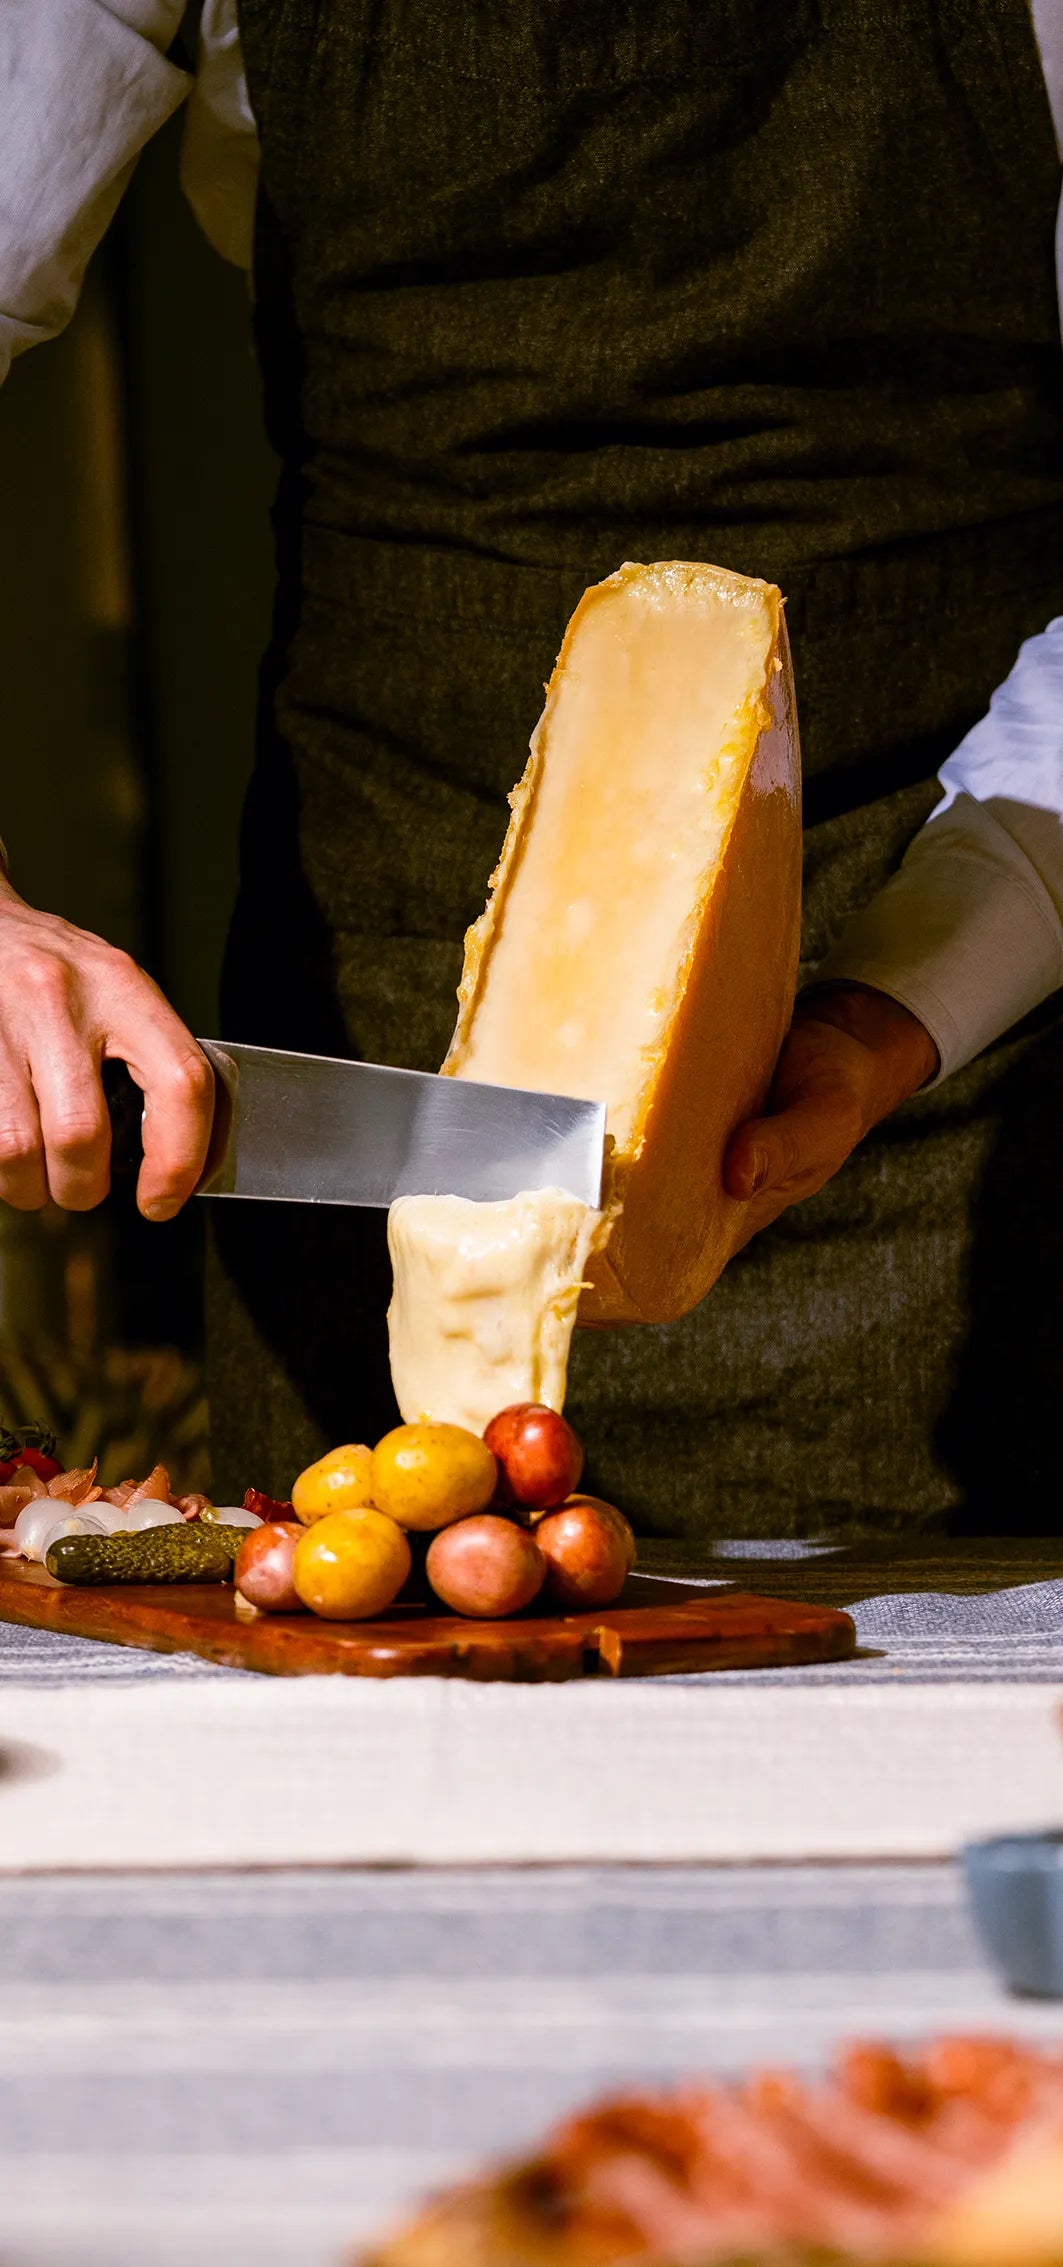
<point>125,1108</point>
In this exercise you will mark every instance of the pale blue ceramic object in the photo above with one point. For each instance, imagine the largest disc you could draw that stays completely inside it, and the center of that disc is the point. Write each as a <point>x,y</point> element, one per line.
<point>1015,1884</point>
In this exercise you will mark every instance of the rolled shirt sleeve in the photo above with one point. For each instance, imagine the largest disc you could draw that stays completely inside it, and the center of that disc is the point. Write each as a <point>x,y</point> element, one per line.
<point>968,934</point>
<point>83,85</point>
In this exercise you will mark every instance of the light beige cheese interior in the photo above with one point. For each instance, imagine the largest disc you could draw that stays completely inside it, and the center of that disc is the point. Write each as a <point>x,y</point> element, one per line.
<point>484,1302</point>
<point>647,741</point>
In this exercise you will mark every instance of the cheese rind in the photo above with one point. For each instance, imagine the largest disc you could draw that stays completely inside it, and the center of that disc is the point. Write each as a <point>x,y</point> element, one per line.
<point>484,1302</point>
<point>639,946</point>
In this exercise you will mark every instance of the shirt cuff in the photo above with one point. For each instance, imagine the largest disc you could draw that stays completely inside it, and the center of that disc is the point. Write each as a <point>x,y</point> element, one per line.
<point>81,91</point>
<point>965,936</point>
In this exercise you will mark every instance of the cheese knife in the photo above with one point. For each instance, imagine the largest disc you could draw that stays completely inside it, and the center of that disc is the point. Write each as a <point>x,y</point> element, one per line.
<point>315,1129</point>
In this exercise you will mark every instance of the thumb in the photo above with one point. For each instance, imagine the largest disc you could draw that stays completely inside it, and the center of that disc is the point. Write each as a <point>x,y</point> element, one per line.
<point>800,1146</point>
<point>758,1156</point>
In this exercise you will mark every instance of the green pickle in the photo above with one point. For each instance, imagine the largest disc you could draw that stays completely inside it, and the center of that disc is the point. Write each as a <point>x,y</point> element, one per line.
<point>189,1553</point>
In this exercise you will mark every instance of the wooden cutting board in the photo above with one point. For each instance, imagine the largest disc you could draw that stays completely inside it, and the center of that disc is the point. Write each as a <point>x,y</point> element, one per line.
<point>657,1628</point>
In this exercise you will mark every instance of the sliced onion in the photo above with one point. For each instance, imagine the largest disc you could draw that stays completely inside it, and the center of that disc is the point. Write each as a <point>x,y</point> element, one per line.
<point>230,1515</point>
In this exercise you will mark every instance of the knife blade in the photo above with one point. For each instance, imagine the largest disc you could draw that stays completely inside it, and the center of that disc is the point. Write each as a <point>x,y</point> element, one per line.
<point>314,1129</point>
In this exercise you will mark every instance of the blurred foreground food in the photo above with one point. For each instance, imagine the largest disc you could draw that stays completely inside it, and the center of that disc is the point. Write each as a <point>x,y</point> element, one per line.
<point>950,2156</point>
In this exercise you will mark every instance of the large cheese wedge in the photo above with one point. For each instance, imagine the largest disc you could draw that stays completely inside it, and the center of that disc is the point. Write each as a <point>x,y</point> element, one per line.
<point>639,946</point>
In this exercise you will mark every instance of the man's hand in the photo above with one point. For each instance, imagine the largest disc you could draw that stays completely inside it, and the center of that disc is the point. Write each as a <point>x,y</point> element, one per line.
<point>68,1002</point>
<point>851,1056</point>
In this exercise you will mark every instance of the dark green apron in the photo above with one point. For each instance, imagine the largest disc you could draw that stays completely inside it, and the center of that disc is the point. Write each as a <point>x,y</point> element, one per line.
<point>541,288</point>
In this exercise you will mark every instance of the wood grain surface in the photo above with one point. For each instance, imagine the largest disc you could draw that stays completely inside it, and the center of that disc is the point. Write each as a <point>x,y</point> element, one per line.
<point>658,1627</point>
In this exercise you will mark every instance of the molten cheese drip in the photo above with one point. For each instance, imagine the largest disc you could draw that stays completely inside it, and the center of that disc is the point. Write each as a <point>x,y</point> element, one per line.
<point>648,730</point>
<point>484,1302</point>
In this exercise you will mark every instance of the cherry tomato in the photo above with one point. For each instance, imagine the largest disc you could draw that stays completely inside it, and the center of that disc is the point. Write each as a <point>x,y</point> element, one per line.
<point>46,1467</point>
<point>31,1446</point>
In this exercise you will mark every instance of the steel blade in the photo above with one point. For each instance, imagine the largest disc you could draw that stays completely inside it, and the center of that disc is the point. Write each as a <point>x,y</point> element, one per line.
<point>313,1129</point>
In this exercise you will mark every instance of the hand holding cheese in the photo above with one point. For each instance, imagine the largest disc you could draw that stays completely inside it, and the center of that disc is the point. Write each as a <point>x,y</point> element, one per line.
<point>851,1056</point>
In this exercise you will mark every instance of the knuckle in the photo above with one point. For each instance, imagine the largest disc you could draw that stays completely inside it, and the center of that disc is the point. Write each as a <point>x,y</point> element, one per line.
<point>20,1146</point>
<point>47,979</point>
<point>77,1131</point>
<point>190,1081</point>
<point>121,967</point>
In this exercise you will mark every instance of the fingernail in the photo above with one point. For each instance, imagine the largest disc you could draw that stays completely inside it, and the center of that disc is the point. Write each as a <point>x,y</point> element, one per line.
<point>760,1170</point>
<point>161,1208</point>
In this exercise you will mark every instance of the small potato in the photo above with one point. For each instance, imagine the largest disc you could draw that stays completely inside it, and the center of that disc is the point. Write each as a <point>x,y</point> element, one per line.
<point>263,1570</point>
<point>337,1482</point>
<point>589,1550</point>
<point>485,1566</point>
<point>425,1476</point>
<point>540,1458</point>
<point>351,1566</point>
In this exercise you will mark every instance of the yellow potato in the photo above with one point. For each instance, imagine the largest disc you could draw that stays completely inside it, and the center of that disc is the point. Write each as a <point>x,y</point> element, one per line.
<point>339,1481</point>
<point>425,1476</point>
<point>350,1565</point>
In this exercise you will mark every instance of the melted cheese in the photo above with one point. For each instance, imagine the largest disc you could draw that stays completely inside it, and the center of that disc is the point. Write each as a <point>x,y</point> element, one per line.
<point>484,1302</point>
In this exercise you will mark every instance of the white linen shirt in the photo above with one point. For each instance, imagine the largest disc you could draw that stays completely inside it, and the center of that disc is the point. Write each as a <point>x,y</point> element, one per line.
<point>968,934</point>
